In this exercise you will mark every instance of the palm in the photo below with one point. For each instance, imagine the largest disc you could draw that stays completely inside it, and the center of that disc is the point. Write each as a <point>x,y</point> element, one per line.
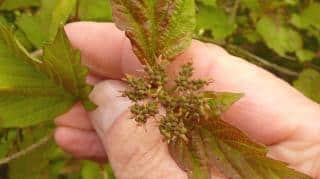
<point>289,127</point>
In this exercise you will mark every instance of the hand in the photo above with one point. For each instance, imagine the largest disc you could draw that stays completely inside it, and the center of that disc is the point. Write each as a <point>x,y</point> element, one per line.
<point>271,112</point>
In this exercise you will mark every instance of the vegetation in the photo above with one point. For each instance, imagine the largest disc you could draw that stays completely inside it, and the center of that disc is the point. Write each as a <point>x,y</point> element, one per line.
<point>282,36</point>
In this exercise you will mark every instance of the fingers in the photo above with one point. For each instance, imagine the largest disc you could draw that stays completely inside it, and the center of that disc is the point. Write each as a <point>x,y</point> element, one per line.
<point>103,47</point>
<point>77,118</point>
<point>81,144</point>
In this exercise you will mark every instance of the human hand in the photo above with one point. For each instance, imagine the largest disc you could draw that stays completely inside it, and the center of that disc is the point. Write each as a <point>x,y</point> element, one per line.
<point>271,112</point>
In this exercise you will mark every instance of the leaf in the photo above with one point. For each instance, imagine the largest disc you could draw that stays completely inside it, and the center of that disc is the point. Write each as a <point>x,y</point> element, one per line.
<point>98,10</point>
<point>18,4</point>
<point>212,3</point>
<point>32,165</point>
<point>218,144</point>
<point>308,18</point>
<point>60,15</point>
<point>213,143</point>
<point>251,4</point>
<point>63,64</point>
<point>32,91</point>
<point>156,27</point>
<point>42,27</point>
<point>216,20</point>
<point>305,55</point>
<point>220,102</point>
<point>189,160</point>
<point>278,37</point>
<point>309,84</point>
<point>91,170</point>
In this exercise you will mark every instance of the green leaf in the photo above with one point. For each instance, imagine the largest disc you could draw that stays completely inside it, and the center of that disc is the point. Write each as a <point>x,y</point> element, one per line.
<point>279,37</point>
<point>309,84</point>
<point>18,4</point>
<point>308,18</point>
<point>189,160</point>
<point>305,55</point>
<point>91,170</point>
<point>220,102</point>
<point>215,143</point>
<point>156,27</point>
<point>63,64</point>
<point>42,27</point>
<point>216,20</point>
<point>60,15</point>
<point>98,10</point>
<point>27,96</point>
<point>32,91</point>
<point>251,4</point>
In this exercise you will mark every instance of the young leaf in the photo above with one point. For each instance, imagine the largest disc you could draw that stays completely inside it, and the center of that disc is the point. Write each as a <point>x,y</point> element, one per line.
<point>220,145</point>
<point>220,102</point>
<point>32,91</point>
<point>156,27</point>
<point>63,64</point>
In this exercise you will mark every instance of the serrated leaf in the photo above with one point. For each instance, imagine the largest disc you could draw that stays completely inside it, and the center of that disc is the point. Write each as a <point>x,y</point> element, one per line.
<point>279,37</point>
<point>98,10</point>
<point>216,20</point>
<point>63,64</point>
<point>156,27</point>
<point>32,91</point>
<point>60,15</point>
<point>26,95</point>
<point>219,102</point>
<point>222,146</point>
<point>189,160</point>
<point>18,4</point>
<point>42,27</point>
<point>309,84</point>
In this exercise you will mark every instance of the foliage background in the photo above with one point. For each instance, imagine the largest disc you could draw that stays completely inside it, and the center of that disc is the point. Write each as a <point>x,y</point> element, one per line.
<point>282,36</point>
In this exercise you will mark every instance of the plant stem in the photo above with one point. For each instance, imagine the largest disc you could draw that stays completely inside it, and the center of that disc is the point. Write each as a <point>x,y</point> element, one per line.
<point>234,11</point>
<point>238,51</point>
<point>27,150</point>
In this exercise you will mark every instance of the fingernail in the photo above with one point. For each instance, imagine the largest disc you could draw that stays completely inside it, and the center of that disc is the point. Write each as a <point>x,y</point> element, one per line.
<point>108,97</point>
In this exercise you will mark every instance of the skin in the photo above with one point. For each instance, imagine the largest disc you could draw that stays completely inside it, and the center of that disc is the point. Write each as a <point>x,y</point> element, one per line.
<point>271,112</point>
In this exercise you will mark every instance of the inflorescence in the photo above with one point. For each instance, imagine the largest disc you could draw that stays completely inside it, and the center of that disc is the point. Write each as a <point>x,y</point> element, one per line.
<point>182,103</point>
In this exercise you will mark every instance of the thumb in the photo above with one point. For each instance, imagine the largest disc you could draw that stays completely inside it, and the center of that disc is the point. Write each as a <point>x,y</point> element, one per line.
<point>133,151</point>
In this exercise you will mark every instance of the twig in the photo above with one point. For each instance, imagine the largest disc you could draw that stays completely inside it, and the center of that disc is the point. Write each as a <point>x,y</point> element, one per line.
<point>234,11</point>
<point>27,150</point>
<point>238,51</point>
<point>37,53</point>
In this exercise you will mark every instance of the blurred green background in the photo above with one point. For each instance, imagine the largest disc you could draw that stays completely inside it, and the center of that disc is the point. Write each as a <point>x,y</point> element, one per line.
<point>282,36</point>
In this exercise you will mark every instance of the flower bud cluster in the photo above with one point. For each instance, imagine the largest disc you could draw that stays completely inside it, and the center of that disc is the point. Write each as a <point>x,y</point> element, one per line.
<point>182,103</point>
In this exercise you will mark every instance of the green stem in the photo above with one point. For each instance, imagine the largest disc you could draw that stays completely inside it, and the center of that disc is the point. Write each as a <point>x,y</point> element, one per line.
<point>27,150</point>
<point>234,11</point>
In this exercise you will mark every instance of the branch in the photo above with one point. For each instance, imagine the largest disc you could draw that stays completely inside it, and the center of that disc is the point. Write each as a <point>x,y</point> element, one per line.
<point>234,11</point>
<point>27,150</point>
<point>238,51</point>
